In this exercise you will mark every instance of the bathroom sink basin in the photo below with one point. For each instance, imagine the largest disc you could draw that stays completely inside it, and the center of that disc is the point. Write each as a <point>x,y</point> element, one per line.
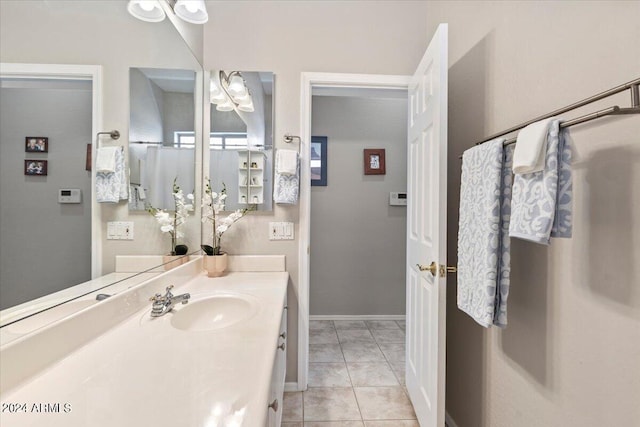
<point>208,313</point>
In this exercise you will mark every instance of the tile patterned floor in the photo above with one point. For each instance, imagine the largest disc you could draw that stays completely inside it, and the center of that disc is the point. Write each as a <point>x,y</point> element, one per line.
<point>356,377</point>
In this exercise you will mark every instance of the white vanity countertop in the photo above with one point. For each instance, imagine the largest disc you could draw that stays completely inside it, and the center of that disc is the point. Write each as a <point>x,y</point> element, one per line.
<point>116,282</point>
<point>145,372</point>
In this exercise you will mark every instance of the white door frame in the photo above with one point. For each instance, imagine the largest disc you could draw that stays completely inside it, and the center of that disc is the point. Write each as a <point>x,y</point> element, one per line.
<point>310,81</point>
<point>73,72</point>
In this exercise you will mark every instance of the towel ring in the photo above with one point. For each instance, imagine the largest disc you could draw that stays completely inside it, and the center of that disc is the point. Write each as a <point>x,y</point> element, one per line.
<point>288,138</point>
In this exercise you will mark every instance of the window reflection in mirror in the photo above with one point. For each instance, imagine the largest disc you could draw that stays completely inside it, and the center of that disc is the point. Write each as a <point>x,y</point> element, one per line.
<point>241,138</point>
<point>161,136</point>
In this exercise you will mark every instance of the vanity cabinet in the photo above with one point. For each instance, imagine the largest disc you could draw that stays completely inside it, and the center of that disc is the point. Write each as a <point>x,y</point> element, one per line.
<point>276,396</point>
<point>251,166</point>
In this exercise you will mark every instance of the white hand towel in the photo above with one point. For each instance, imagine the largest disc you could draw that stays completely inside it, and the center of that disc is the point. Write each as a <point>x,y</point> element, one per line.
<point>106,159</point>
<point>531,147</point>
<point>287,162</point>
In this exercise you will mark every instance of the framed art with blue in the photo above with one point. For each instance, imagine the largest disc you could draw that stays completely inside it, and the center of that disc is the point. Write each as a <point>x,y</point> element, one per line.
<point>319,161</point>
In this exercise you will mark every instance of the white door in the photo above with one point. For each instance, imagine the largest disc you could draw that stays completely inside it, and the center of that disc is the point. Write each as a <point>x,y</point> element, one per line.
<point>426,233</point>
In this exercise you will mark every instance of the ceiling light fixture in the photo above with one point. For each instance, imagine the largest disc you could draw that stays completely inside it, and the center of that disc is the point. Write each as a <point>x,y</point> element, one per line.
<point>229,90</point>
<point>193,11</point>
<point>146,10</point>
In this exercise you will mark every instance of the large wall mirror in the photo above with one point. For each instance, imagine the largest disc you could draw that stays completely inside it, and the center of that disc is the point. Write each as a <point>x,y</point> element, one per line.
<point>241,138</point>
<point>161,136</point>
<point>48,249</point>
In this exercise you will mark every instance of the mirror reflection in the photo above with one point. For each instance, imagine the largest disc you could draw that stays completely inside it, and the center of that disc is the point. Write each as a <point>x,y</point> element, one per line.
<point>161,136</point>
<point>241,138</point>
<point>58,260</point>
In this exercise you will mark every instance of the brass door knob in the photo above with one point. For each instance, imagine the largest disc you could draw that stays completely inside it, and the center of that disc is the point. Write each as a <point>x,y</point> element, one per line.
<point>432,268</point>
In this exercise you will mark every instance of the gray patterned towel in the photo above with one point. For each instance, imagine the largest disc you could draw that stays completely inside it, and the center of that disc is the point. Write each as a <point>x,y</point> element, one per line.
<point>541,204</point>
<point>111,187</point>
<point>484,264</point>
<point>286,187</point>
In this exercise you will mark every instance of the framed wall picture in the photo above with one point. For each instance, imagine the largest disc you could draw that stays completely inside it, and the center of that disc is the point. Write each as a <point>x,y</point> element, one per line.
<point>35,167</point>
<point>374,162</point>
<point>319,161</point>
<point>36,144</point>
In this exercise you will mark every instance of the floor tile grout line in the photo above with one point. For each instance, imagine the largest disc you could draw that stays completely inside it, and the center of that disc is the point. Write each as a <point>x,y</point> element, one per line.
<point>353,388</point>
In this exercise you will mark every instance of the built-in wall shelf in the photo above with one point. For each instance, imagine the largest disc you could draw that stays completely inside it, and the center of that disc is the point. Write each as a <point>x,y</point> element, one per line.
<point>251,165</point>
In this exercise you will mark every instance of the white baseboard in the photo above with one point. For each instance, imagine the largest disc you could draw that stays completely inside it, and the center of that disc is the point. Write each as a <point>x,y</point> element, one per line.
<point>449,420</point>
<point>289,387</point>
<point>359,317</point>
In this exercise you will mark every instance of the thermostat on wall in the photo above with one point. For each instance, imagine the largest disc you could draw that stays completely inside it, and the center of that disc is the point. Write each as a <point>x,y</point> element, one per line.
<point>398,198</point>
<point>69,195</point>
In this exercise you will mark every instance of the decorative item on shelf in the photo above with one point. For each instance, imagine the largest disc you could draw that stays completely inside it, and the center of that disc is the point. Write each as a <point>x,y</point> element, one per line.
<point>215,260</point>
<point>171,224</point>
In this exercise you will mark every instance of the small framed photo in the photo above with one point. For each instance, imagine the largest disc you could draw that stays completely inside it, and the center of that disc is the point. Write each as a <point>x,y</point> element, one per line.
<point>35,167</point>
<point>374,162</point>
<point>319,161</point>
<point>36,144</point>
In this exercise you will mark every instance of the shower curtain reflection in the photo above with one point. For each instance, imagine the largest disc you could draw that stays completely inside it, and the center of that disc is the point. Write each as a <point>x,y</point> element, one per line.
<point>157,166</point>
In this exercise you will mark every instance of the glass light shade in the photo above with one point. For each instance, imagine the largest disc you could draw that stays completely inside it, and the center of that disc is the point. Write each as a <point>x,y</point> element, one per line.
<point>227,105</point>
<point>146,10</point>
<point>237,88</point>
<point>193,11</point>
<point>218,98</point>
<point>248,107</point>
<point>215,93</point>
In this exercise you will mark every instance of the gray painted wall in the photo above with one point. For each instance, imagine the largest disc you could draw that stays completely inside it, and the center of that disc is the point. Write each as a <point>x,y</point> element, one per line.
<point>357,239</point>
<point>178,114</point>
<point>33,225</point>
<point>145,106</point>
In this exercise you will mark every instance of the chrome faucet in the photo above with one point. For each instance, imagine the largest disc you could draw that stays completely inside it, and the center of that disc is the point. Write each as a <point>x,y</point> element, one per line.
<point>164,304</point>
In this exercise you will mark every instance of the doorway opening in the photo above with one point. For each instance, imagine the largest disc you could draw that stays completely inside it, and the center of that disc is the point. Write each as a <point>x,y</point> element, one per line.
<point>58,107</point>
<point>324,84</point>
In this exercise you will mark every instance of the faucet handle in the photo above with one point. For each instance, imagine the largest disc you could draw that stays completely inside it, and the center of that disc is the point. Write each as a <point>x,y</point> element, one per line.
<point>155,298</point>
<point>169,288</point>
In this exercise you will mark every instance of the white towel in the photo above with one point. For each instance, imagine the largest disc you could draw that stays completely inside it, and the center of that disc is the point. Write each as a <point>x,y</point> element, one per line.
<point>531,147</point>
<point>484,266</point>
<point>106,159</point>
<point>287,162</point>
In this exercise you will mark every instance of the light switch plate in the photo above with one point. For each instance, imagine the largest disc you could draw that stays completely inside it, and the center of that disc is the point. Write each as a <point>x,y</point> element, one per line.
<point>281,231</point>
<point>119,230</point>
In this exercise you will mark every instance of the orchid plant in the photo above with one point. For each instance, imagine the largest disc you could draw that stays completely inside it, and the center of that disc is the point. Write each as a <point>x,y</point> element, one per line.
<point>212,206</point>
<point>171,223</point>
